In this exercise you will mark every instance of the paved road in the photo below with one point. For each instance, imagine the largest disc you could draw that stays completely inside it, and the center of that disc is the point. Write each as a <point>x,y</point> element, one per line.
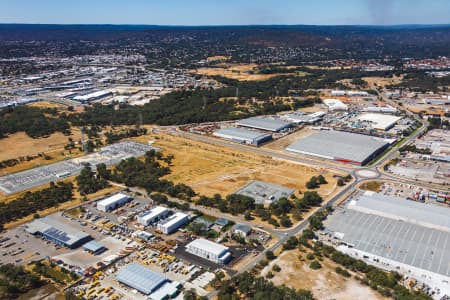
<point>377,168</point>
<point>317,163</point>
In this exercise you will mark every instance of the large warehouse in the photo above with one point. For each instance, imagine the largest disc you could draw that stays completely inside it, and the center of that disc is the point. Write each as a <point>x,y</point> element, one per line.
<point>403,235</point>
<point>335,105</point>
<point>345,147</point>
<point>379,121</point>
<point>58,233</point>
<point>113,202</point>
<point>172,223</point>
<point>241,135</point>
<point>268,124</point>
<point>208,250</point>
<point>153,215</point>
<point>141,278</point>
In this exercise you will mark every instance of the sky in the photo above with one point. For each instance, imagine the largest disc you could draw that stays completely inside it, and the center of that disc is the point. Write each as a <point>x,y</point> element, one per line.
<point>226,12</point>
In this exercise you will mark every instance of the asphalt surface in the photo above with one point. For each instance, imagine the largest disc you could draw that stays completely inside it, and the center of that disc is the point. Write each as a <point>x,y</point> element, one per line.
<point>353,170</point>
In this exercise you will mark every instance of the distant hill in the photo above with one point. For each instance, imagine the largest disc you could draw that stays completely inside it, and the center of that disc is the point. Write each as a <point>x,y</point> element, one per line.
<point>359,41</point>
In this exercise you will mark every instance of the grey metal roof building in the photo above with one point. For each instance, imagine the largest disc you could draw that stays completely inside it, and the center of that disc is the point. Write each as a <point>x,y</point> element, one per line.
<point>94,247</point>
<point>264,192</point>
<point>241,135</point>
<point>427,215</point>
<point>403,242</point>
<point>268,124</point>
<point>58,232</point>
<point>341,146</point>
<point>401,231</point>
<point>141,278</point>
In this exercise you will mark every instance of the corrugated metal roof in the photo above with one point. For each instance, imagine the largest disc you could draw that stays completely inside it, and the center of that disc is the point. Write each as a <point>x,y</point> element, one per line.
<point>56,230</point>
<point>140,278</point>
<point>93,246</point>
<point>153,213</point>
<point>338,145</point>
<point>400,241</point>
<point>242,227</point>
<point>264,123</point>
<point>428,215</point>
<point>175,218</point>
<point>241,133</point>
<point>112,199</point>
<point>208,246</point>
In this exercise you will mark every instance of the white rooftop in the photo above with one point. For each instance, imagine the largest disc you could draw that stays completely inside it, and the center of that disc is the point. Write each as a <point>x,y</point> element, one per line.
<point>379,121</point>
<point>175,218</point>
<point>335,104</point>
<point>154,212</point>
<point>112,199</point>
<point>427,215</point>
<point>208,246</point>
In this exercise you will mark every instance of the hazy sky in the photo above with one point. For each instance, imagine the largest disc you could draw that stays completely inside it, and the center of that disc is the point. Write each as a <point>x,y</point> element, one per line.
<point>226,12</point>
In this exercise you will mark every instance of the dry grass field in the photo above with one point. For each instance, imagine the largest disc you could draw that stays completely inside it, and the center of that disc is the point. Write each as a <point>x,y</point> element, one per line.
<point>238,72</point>
<point>324,283</point>
<point>383,81</point>
<point>47,104</point>
<point>218,58</point>
<point>19,144</point>
<point>211,169</point>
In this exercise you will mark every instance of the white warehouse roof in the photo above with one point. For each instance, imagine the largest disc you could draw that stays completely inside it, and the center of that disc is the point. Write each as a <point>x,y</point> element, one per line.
<point>174,219</point>
<point>427,215</point>
<point>208,246</point>
<point>153,213</point>
<point>93,95</point>
<point>379,121</point>
<point>113,199</point>
<point>335,104</point>
<point>338,145</point>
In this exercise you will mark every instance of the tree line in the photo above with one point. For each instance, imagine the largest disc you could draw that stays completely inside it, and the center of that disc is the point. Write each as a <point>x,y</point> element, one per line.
<point>32,202</point>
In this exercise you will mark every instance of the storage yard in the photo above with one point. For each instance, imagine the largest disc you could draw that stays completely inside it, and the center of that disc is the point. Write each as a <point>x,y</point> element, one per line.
<point>109,155</point>
<point>341,146</point>
<point>396,234</point>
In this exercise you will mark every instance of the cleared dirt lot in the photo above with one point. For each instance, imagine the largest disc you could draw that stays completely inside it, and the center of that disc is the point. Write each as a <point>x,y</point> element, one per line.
<point>212,169</point>
<point>325,283</point>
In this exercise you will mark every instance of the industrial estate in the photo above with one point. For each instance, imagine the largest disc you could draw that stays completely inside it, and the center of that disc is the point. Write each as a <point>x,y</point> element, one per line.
<point>165,164</point>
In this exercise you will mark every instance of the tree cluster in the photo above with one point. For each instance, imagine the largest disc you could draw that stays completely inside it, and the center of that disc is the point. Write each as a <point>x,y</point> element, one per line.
<point>35,122</point>
<point>32,202</point>
<point>248,286</point>
<point>88,182</point>
<point>15,281</point>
